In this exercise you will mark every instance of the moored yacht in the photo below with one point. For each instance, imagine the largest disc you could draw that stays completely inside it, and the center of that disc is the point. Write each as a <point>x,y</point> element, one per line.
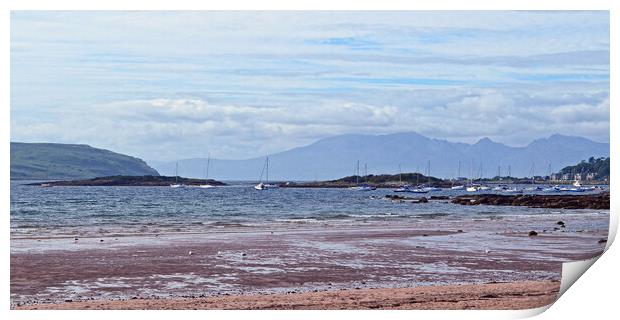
<point>176,183</point>
<point>207,185</point>
<point>408,188</point>
<point>265,185</point>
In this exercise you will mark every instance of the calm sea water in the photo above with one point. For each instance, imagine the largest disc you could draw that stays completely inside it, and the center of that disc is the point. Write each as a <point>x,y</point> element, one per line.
<point>56,211</point>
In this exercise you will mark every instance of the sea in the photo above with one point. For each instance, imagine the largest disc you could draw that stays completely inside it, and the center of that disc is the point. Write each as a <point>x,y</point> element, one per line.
<point>88,210</point>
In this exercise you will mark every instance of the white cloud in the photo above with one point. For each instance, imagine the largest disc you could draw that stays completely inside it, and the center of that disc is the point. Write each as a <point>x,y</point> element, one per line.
<point>162,85</point>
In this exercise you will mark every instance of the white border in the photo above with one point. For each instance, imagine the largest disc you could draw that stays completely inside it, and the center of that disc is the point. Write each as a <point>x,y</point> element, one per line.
<point>597,287</point>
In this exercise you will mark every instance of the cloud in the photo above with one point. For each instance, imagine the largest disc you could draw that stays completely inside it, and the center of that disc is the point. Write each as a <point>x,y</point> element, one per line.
<point>164,128</point>
<point>163,85</point>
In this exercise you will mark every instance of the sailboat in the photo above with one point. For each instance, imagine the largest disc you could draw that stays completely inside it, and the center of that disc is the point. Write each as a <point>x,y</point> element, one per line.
<point>458,178</point>
<point>265,185</point>
<point>176,183</point>
<point>363,186</point>
<point>207,185</point>
<point>405,187</point>
<point>470,186</point>
<point>412,189</point>
<point>429,187</point>
<point>576,187</point>
<point>532,187</point>
<point>408,188</point>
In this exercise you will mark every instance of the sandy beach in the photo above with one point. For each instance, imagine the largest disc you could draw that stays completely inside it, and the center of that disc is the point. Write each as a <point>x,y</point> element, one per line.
<point>496,296</point>
<point>478,263</point>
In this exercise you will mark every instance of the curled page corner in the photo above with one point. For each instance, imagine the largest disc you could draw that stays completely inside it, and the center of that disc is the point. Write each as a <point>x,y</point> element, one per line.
<point>571,271</point>
<point>528,313</point>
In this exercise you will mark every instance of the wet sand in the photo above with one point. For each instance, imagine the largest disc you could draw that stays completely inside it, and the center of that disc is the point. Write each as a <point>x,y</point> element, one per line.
<point>374,265</point>
<point>516,295</point>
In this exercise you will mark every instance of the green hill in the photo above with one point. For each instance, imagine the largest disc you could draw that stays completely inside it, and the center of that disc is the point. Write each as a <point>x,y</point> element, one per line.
<point>43,161</point>
<point>599,167</point>
<point>411,178</point>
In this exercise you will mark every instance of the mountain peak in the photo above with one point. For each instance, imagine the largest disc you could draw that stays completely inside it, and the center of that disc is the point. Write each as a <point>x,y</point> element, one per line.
<point>556,139</point>
<point>337,156</point>
<point>485,141</point>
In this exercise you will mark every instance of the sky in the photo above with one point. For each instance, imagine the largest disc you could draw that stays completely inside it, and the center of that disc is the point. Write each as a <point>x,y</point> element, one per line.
<point>235,85</point>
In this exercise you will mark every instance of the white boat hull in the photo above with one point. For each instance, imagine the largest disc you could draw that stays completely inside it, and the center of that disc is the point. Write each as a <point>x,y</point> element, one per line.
<point>264,186</point>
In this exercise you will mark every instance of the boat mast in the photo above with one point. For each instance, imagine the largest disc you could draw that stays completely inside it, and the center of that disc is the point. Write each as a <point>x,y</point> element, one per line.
<point>471,172</point>
<point>176,173</point>
<point>207,173</point>
<point>400,174</point>
<point>429,173</point>
<point>267,164</point>
<point>357,173</point>
<point>417,175</point>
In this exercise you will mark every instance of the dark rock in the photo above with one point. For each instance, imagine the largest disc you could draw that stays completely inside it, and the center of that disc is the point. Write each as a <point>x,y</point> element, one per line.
<point>587,201</point>
<point>602,241</point>
<point>532,233</point>
<point>459,231</point>
<point>440,197</point>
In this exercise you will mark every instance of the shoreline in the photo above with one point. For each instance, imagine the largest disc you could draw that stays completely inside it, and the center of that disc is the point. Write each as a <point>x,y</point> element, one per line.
<point>313,259</point>
<point>506,296</point>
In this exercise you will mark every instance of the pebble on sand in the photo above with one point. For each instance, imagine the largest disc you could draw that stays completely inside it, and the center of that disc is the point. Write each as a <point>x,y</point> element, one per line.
<point>602,241</point>
<point>191,253</point>
<point>532,233</point>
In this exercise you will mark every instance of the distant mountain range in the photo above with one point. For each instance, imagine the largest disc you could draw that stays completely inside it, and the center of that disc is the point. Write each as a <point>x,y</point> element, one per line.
<point>335,157</point>
<point>43,161</point>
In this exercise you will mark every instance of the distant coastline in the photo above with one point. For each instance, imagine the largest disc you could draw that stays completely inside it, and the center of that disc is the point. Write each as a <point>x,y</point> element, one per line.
<point>133,181</point>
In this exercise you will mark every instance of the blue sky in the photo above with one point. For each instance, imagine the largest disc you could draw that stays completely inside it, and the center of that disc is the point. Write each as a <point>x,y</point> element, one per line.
<point>168,85</point>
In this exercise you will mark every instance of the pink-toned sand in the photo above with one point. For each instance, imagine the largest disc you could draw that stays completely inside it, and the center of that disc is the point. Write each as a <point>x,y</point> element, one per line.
<point>439,265</point>
<point>516,295</point>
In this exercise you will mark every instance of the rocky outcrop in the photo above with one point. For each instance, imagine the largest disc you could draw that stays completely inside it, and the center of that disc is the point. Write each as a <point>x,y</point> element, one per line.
<point>131,181</point>
<point>592,201</point>
<point>406,199</point>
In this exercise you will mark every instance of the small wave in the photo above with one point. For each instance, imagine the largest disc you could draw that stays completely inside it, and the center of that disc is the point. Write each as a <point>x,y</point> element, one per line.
<point>299,220</point>
<point>222,224</point>
<point>367,216</point>
<point>433,215</point>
